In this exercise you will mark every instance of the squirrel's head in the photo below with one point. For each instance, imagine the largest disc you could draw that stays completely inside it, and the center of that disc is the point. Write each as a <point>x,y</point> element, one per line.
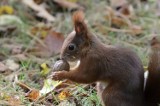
<point>77,42</point>
<point>155,42</point>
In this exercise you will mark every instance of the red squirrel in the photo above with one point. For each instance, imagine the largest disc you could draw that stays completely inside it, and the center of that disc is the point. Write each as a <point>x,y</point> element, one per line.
<point>118,71</point>
<point>152,89</point>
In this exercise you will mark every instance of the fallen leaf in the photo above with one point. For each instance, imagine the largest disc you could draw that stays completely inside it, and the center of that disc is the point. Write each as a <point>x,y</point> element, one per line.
<point>44,69</point>
<point>33,95</point>
<point>8,99</point>
<point>119,20</point>
<point>6,9</point>
<point>64,95</point>
<point>136,30</point>
<point>41,11</point>
<point>4,95</point>
<point>49,85</point>
<point>20,57</point>
<point>111,16</point>
<point>63,85</point>
<point>127,10</point>
<point>3,67</point>
<point>11,64</point>
<point>14,101</point>
<point>48,88</point>
<point>123,7</point>
<point>53,43</point>
<point>7,67</point>
<point>68,4</point>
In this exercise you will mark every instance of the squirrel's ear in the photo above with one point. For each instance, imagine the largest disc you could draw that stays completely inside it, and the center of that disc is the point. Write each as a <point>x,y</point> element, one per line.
<point>79,24</point>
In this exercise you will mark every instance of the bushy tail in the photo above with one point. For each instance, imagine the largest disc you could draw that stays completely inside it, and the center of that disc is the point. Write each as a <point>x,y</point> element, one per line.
<point>152,89</point>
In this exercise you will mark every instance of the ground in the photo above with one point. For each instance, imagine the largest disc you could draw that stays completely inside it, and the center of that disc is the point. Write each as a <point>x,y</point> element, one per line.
<point>24,37</point>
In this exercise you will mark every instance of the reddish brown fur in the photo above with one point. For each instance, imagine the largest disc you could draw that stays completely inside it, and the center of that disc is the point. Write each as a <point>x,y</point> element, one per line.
<point>152,91</point>
<point>78,20</point>
<point>118,67</point>
<point>78,17</point>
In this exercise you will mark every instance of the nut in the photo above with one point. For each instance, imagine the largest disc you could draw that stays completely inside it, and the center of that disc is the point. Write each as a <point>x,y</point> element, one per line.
<point>61,65</point>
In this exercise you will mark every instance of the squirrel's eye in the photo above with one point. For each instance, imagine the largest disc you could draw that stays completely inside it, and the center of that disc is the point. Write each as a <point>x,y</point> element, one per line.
<point>72,47</point>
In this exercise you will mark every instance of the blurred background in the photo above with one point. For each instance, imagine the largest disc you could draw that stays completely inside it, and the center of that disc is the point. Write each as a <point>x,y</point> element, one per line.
<point>32,33</point>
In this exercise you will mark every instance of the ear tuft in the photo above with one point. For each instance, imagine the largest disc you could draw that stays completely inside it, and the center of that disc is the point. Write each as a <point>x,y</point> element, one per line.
<point>79,24</point>
<point>78,17</point>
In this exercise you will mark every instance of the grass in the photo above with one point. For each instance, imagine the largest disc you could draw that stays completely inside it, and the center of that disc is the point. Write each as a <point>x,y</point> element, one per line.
<point>95,13</point>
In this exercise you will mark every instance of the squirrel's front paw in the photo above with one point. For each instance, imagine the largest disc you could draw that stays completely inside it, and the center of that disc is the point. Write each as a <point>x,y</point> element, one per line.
<point>60,75</point>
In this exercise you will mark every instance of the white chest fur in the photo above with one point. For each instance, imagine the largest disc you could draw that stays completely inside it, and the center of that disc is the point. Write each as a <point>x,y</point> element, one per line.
<point>145,78</point>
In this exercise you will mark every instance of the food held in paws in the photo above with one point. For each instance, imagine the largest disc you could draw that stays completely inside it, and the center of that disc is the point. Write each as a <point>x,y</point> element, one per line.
<point>61,65</point>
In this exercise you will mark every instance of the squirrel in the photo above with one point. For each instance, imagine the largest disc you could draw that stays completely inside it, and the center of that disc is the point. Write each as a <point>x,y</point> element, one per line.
<point>118,71</point>
<point>152,89</point>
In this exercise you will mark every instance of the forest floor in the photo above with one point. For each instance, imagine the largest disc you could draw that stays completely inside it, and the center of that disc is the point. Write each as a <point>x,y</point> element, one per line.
<point>31,37</point>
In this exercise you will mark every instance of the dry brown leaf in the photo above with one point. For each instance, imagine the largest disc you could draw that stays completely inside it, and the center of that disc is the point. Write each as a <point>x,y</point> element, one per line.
<point>53,43</point>
<point>33,95</point>
<point>64,85</point>
<point>68,5</point>
<point>3,67</point>
<point>123,7</point>
<point>40,9</point>
<point>118,21</point>
<point>19,57</point>
<point>12,65</point>
<point>8,99</point>
<point>114,18</point>
<point>64,95</point>
<point>127,10</point>
<point>8,66</point>
<point>122,19</point>
<point>120,13</point>
<point>136,30</point>
<point>14,101</point>
<point>118,3</point>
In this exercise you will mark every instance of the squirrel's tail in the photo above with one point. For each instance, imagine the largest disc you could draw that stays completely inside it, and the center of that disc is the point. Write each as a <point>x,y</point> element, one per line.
<point>152,89</point>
